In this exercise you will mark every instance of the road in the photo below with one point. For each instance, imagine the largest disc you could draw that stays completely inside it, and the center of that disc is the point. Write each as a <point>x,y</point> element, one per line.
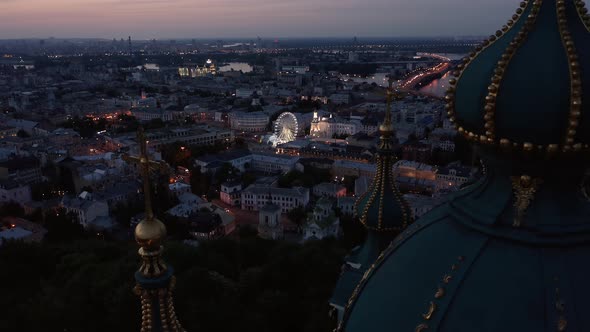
<point>411,82</point>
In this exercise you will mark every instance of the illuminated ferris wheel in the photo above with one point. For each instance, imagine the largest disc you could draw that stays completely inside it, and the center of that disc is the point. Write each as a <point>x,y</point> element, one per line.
<point>286,128</point>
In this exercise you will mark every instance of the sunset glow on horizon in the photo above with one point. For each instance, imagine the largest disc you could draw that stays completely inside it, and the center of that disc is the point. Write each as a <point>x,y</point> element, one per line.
<point>144,19</point>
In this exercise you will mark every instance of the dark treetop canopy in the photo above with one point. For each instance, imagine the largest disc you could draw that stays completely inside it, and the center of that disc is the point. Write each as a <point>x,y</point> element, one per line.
<point>509,253</point>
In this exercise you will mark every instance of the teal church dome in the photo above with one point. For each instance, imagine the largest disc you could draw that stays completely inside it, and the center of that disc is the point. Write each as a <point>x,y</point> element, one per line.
<point>510,252</point>
<point>382,210</point>
<point>526,87</point>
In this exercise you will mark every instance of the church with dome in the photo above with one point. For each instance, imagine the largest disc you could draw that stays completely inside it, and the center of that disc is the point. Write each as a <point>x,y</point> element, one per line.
<point>510,251</point>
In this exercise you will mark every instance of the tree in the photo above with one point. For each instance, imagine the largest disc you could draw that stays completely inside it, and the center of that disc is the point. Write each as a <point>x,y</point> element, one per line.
<point>12,209</point>
<point>22,134</point>
<point>176,154</point>
<point>223,285</point>
<point>297,216</point>
<point>226,172</point>
<point>62,226</point>
<point>154,124</point>
<point>200,182</point>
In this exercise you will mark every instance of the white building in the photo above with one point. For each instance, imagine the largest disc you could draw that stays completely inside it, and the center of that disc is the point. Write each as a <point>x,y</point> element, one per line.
<point>179,188</point>
<point>89,212</point>
<point>273,163</point>
<point>190,198</point>
<point>256,196</point>
<point>249,121</point>
<point>446,145</point>
<point>231,193</point>
<point>340,98</point>
<point>148,114</point>
<point>183,210</point>
<point>239,159</point>
<point>15,192</point>
<point>145,102</point>
<point>246,93</point>
<point>199,135</point>
<point>453,177</point>
<point>353,168</point>
<point>270,226</point>
<point>327,127</point>
<point>322,222</point>
<point>15,234</point>
<point>189,203</point>
<point>414,170</point>
<point>228,220</point>
<point>347,205</point>
<point>328,189</point>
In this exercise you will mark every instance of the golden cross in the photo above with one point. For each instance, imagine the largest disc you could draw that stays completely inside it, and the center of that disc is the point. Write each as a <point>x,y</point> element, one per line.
<point>145,167</point>
<point>387,120</point>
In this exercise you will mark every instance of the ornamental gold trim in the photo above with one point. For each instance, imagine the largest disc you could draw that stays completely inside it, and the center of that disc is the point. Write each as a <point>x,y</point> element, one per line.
<point>500,71</point>
<point>525,189</point>
<point>450,96</point>
<point>575,78</point>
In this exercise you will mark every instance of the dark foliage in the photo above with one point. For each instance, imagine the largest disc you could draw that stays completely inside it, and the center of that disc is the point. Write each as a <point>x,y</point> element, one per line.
<point>225,285</point>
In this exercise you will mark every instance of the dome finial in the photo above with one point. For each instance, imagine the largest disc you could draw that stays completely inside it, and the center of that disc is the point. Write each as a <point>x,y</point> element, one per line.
<point>386,127</point>
<point>382,208</point>
<point>155,280</point>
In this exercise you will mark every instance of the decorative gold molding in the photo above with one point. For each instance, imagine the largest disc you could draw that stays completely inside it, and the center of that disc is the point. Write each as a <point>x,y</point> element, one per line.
<point>152,265</point>
<point>524,191</point>
<point>575,78</point>
<point>167,313</point>
<point>422,327</point>
<point>440,292</point>
<point>500,70</point>
<point>430,312</point>
<point>489,137</point>
<point>450,96</point>
<point>560,308</point>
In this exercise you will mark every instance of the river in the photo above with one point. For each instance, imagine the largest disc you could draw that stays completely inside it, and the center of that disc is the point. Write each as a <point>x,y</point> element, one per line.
<point>437,87</point>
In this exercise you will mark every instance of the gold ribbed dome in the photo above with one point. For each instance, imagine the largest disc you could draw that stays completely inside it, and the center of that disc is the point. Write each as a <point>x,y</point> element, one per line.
<point>150,233</point>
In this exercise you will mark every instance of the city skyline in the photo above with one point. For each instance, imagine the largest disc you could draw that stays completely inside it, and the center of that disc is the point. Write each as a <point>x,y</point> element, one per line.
<point>147,19</point>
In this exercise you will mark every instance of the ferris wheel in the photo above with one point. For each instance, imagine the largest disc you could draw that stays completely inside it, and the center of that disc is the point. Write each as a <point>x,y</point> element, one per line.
<point>286,128</point>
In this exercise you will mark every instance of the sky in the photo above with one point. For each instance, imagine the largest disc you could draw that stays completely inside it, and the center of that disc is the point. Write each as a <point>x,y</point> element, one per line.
<point>146,19</point>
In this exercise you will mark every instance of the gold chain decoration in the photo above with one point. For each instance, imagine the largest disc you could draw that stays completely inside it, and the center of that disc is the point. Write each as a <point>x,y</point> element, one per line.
<point>406,213</point>
<point>500,70</point>
<point>524,190</point>
<point>384,165</point>
<point>490,102</point>
<point>583,13</point>
<point>146,308</point>
<point>384,171</point>
<point>450,96</point>
<point>575,79</point>
<point>167,312</point>
<point>439,294</point>
<point>560,307</point>
<point>382,193</point>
